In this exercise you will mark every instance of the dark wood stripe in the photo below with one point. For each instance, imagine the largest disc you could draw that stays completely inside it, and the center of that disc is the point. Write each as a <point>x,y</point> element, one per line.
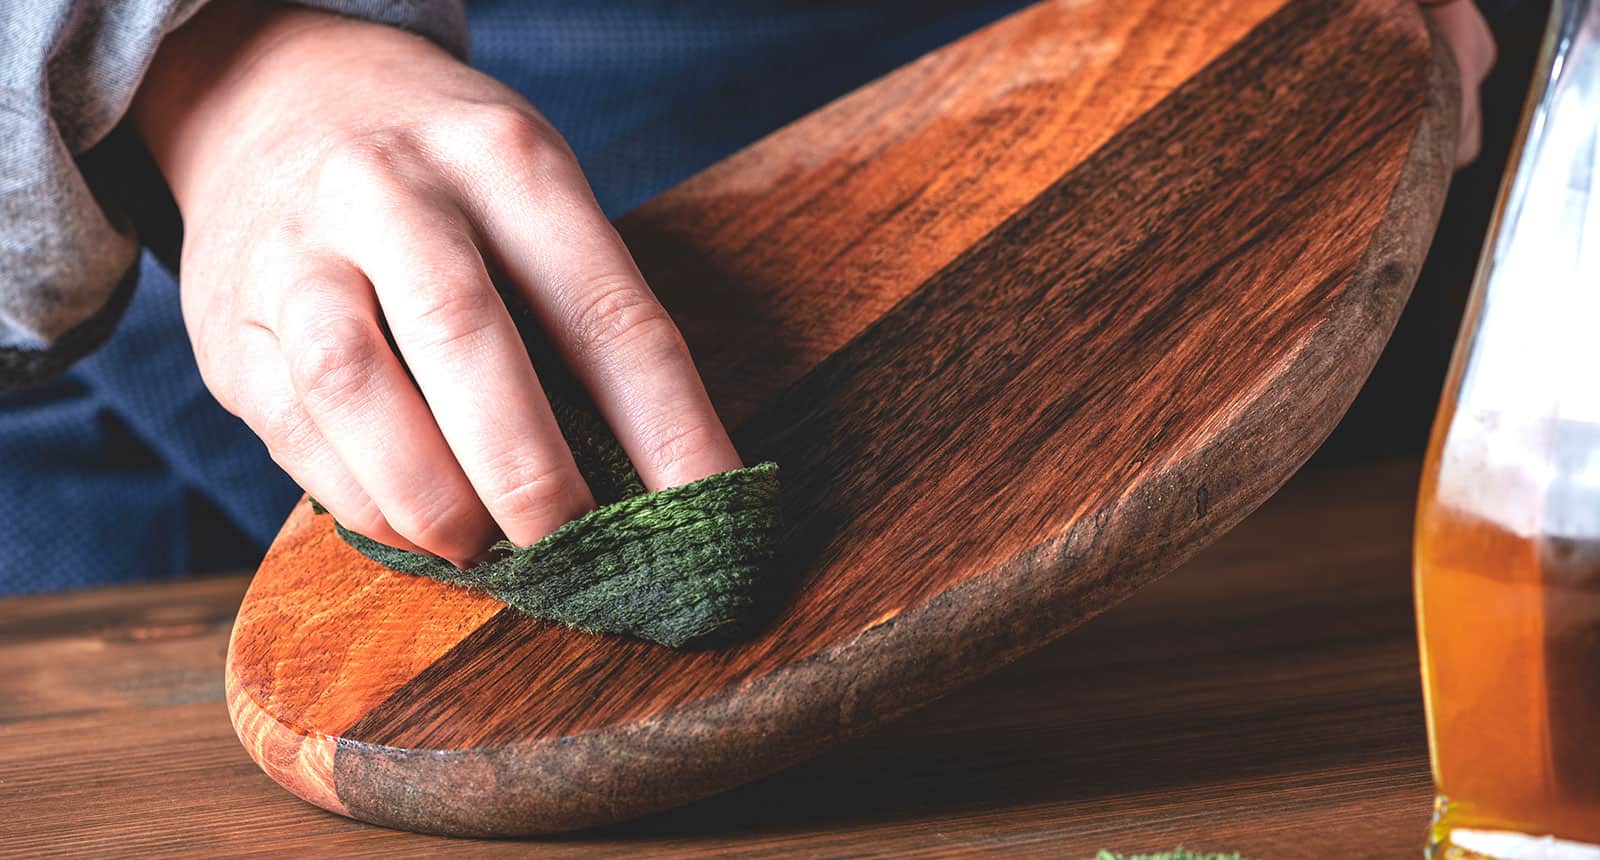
<point>968,426</point>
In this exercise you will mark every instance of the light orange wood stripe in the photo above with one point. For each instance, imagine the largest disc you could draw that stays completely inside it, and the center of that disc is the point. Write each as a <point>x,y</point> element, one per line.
<point>292,667</point>
<point>301,763</point>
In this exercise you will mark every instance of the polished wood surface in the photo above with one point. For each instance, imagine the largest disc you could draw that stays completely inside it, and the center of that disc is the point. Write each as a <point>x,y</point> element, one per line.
<point>1264,698</point>
<point>1026,323</point>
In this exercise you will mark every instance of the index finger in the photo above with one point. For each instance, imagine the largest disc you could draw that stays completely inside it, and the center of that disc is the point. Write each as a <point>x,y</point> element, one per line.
<point>549,235</point>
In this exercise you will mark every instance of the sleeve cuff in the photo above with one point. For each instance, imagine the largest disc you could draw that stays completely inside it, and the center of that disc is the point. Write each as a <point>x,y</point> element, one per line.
<point>21,367</point>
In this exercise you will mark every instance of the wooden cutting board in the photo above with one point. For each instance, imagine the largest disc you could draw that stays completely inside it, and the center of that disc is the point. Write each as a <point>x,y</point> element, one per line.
<point>1026,323</point>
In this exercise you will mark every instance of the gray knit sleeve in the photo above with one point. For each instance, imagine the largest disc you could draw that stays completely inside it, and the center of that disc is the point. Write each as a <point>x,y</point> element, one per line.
<point>77,192</point>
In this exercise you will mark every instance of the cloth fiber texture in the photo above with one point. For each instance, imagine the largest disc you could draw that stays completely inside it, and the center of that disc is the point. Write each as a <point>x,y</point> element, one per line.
<point>684,566</point>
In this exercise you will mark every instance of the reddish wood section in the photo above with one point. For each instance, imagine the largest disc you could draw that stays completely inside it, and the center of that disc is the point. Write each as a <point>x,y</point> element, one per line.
<point>1026,323</point>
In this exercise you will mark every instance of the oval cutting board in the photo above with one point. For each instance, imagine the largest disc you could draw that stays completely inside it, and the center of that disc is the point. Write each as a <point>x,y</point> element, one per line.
<point>1026,323</point>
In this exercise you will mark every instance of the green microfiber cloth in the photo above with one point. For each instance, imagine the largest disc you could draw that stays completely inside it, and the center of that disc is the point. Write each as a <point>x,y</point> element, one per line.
<point>683,566</point>
<point>1175,854</point>
<point>679,567</point>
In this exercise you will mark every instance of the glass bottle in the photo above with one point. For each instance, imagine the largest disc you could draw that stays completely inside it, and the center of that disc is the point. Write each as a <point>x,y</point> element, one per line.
<point>1508,521</point>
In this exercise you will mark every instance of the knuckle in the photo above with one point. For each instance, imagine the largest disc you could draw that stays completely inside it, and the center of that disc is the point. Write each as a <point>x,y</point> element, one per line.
<point>454,318</point>
<point>285,429</point>
<point>331,357</point>
<point>358,158</point>
<point>369,166</point>
<point>509,126</point>
<point>441,533</point>
<point>533,494</point>
<point>510,129</point>
<point>416,525</point>
<point>674,443</point>
<point>618,314</point>
<point>495,135</point>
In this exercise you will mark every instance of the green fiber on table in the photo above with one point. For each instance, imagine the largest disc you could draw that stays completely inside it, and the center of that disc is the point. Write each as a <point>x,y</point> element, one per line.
<point>1175,854</point>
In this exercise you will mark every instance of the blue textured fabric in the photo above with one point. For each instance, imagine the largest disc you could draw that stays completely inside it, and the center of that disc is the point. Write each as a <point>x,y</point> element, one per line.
<point>127,469</point>
<point>651,91</point>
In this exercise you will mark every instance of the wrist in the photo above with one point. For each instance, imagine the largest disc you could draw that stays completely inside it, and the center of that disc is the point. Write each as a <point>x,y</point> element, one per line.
<point>224,81</point>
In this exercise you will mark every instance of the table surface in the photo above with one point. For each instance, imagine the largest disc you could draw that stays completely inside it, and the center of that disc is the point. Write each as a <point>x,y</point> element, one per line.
<point>1263,699</point>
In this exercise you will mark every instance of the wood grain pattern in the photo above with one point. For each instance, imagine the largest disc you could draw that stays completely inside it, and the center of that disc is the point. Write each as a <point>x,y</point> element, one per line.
<point>1009,382</point>
<point>780,254</point>
<point>1264,698</point>
<point>358,625</point>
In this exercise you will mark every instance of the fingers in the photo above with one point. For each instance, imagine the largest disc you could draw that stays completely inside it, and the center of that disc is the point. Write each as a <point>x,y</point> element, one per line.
<point>540,222</point>
<point>358,396</point>
<point>1471,42</point>
<point>469,361</point>
<point>270,407</point>
<point>466,444</point>
<point>624,348</point>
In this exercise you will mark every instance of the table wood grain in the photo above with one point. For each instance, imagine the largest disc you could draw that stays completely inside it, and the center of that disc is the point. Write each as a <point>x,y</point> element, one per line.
<point>1264,698</point>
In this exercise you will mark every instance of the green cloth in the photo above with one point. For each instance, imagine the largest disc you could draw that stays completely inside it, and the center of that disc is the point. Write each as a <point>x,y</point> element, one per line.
<point>679,567</point>
<point>683,566</point>
<point>1175,854</point>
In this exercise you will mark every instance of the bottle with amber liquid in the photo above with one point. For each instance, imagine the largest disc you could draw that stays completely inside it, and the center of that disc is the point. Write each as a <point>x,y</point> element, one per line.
<point>1508,521</point>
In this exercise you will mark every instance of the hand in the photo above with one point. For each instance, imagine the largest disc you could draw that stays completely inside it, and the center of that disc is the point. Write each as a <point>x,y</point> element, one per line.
<point>335,176</point>
<point>1463,28</point>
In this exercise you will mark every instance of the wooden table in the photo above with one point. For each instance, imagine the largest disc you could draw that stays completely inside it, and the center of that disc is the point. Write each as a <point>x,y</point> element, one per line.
<point>1263,699</point>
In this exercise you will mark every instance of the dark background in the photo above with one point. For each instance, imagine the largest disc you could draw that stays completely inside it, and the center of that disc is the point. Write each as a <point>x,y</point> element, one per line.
<point>1395,409</point>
